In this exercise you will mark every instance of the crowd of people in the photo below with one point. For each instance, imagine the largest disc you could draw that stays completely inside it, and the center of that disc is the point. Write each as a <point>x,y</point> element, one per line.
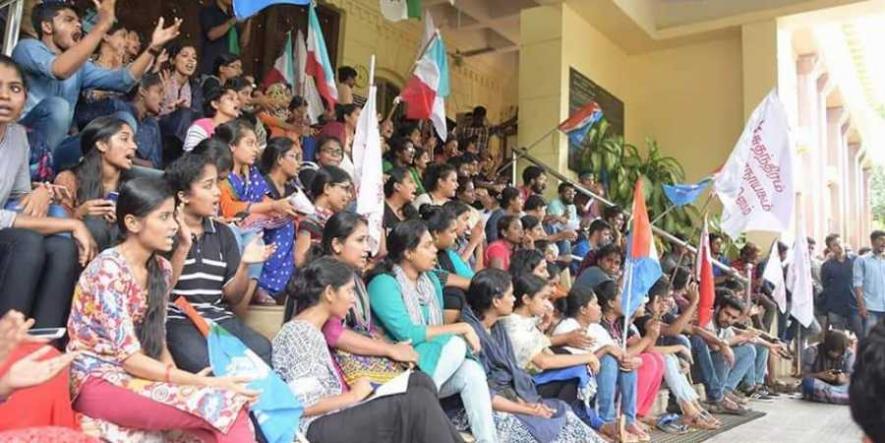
<point>136,185</point>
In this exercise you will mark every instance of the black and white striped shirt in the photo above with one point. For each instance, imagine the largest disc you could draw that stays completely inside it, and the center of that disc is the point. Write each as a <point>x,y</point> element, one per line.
<point>210,265</point>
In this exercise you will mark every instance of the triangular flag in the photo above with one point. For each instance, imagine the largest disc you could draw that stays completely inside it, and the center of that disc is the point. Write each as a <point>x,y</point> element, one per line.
<point>774,274</point>
<point>704,275</point>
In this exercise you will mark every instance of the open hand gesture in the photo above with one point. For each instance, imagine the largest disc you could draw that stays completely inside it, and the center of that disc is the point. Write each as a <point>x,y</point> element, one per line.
<point>161,35</point>
<point>32,370</point>
<point>106,11</point>
<point>257,252</point>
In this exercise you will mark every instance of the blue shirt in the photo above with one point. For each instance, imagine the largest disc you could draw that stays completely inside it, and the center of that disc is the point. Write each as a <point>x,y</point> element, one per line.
<point>36,60</point>
<point>717,271</point>
<point>869,274</point>
<point>148,138</point>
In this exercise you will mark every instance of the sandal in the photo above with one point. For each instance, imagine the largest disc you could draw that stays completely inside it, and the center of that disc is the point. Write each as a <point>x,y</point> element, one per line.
<point>710,418</point>
<point>609,431</point>
<point>637,430</point>
<point>700,422</point>
<point>670,424</point>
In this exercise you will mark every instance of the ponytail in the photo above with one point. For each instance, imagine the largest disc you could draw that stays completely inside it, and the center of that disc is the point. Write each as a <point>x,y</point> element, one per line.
<point>152,333</point>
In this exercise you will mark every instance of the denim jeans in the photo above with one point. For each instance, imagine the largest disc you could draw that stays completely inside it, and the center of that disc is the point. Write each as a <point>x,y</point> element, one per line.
<point>744,362</point>
<point>872,319</point>
<point>457,374</point>
<point>610,382</point>
<point>757,375</point>
<point>707,373</point>
<point>851,322</point>
<point>51,118</point>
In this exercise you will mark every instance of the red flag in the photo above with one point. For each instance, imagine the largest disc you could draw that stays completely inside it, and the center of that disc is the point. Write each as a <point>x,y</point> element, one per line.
<point>704,274</point>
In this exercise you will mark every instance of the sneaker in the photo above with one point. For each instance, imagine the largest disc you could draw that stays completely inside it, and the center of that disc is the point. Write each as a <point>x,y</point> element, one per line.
<point>768,392</point>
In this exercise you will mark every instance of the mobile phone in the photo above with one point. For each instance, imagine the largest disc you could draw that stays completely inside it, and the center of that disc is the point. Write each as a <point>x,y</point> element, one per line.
<point>112,196</point>
<point>48,333</point>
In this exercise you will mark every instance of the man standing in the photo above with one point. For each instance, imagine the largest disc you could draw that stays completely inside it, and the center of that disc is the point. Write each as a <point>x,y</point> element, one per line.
<point>838,298</point>
<point>221,33</point>
<point>869,283</point>
<point>57,66</point>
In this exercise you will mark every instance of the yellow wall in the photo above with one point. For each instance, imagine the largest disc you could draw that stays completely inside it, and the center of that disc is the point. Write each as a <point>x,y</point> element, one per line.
<point>365,32</point>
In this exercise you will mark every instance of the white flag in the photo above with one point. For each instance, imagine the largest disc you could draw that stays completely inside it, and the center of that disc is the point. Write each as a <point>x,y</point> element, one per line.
<point>306,86</point>
<point>755,185</point>
<point>395,10</point>
<point>429,32</point>
<point>774,274</point>
<point>799,280</point>
<point>368,177</point>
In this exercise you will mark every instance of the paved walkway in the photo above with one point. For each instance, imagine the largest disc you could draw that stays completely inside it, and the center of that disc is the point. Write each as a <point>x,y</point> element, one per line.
<point>790,420</point>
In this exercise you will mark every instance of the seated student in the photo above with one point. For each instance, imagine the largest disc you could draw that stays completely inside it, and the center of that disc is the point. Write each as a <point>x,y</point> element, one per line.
<point>248,109</point>
<point>344,128</point>
<point>827,368</point>
<point>346,81</point>
<point>279,164</point>
<point>636,377</point>
<point>420,163</point>
<point>40,269</point>
<point>674,355</point>
<point>145,106</point>
<point>534,231</point>
<point>211,273</point>
<point>220,105</point>
<point>511,203</point>
<point>407,300</point>
<point>124,373</point>
<point>34,384</point>
<point>521,412</point>
<point>183,98</point>
<point>867,391</point>
<point>346,238</point>
<point>470,244</point>
<point>399,192</point>
<point>564,376</point>
<point>325,290</point>
<point>441,182</point>
<point>332,191</point>
<point>510,237</point>
<point>453,273</point>
<point>94,103</point>
<point>57,66</point>
<point>273,113</point>
<point>225,66</point>
<point>108,145</point>
<point>401,155</point>
<point>608,267</point>
<point>329,153</point>
<point>599,234</point>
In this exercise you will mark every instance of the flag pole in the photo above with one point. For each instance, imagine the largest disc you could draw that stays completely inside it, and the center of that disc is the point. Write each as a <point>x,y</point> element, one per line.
<point>532,145</point>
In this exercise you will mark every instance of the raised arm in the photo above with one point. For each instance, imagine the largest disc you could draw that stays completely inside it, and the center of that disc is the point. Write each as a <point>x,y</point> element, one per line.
<point>69,62</point>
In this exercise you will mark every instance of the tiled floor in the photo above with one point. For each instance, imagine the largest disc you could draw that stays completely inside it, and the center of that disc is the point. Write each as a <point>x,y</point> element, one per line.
<point>791,420</point>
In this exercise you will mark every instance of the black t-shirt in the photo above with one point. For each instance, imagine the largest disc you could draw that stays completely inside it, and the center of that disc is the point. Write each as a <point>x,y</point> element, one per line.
<point>210,17</point>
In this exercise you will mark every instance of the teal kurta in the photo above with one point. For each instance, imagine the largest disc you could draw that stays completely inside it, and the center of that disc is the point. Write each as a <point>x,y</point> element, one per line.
<point>386,300</point>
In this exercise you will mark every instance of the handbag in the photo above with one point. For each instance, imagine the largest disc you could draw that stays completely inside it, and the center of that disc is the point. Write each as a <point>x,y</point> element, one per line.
<point>378,370</point>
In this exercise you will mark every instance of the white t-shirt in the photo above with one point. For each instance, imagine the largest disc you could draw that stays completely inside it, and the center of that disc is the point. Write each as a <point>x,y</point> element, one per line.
<point>594,330</point>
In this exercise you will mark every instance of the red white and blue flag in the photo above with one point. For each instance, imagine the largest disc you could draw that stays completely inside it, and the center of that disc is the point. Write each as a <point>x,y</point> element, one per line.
<point>578,124</point>
<point>426,91</point>
<point>318,65</point>
<point>642,268</point>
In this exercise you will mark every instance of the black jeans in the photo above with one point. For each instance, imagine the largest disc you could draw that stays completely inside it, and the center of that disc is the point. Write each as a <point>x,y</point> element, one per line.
<point>37,275</point>
<point>191,351</point>
<point>415,416</point>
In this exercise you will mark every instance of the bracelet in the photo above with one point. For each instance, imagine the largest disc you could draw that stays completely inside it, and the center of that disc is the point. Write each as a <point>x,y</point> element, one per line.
<point>168,375</point>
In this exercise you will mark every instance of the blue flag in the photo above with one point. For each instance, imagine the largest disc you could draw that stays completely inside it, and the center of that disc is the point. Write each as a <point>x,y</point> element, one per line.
<point>642,268</point>
<point>244,9</point>
<point>681,194</point>
<point>277,411</point>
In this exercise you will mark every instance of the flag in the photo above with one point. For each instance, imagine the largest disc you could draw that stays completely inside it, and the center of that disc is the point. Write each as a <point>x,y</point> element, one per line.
<point>426,91</point>
<point>283,70</point>
<point>429,31</point>
<point>305,86</point>
<point>318,65</point>
<point>578,124</point>
<point>244,9</point>
<point>642,268</point>
<point>685,194</point>
<point>774,274</point>
<point>704,275</point>
<point>396,10</point>
<point>277,410</point>
<point>368,176</point>
<point>799,280</point>
<point>755,185</point>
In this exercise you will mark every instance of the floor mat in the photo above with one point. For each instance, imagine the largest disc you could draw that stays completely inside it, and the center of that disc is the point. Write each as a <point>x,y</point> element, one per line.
<point>728,422</point>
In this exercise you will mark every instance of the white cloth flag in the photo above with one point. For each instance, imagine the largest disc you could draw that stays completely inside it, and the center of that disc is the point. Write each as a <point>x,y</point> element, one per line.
<point>799,280</point>
<point>306,87</point>
<point>755,185</point>
<point>429,31</point>
<point>368,177</point>
<point>774,274</point>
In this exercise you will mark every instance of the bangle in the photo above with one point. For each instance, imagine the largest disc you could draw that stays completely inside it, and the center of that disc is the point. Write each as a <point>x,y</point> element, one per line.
<point>168,375</point>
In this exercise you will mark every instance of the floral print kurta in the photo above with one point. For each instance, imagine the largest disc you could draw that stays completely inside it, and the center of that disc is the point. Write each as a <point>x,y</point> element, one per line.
<point>108,307</point>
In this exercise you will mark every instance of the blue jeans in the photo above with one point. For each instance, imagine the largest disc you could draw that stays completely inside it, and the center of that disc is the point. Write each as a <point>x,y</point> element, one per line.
<point>610,382</point>
<point>707,373</point>
<point>872,319</point>
<point>756,376</point>
<point>744,361</point>
<point>457,374</point>
<point>51,118</point>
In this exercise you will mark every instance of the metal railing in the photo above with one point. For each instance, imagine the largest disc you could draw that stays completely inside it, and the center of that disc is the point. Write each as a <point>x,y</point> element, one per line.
<point>15,10</point>
<point>522,152</point>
